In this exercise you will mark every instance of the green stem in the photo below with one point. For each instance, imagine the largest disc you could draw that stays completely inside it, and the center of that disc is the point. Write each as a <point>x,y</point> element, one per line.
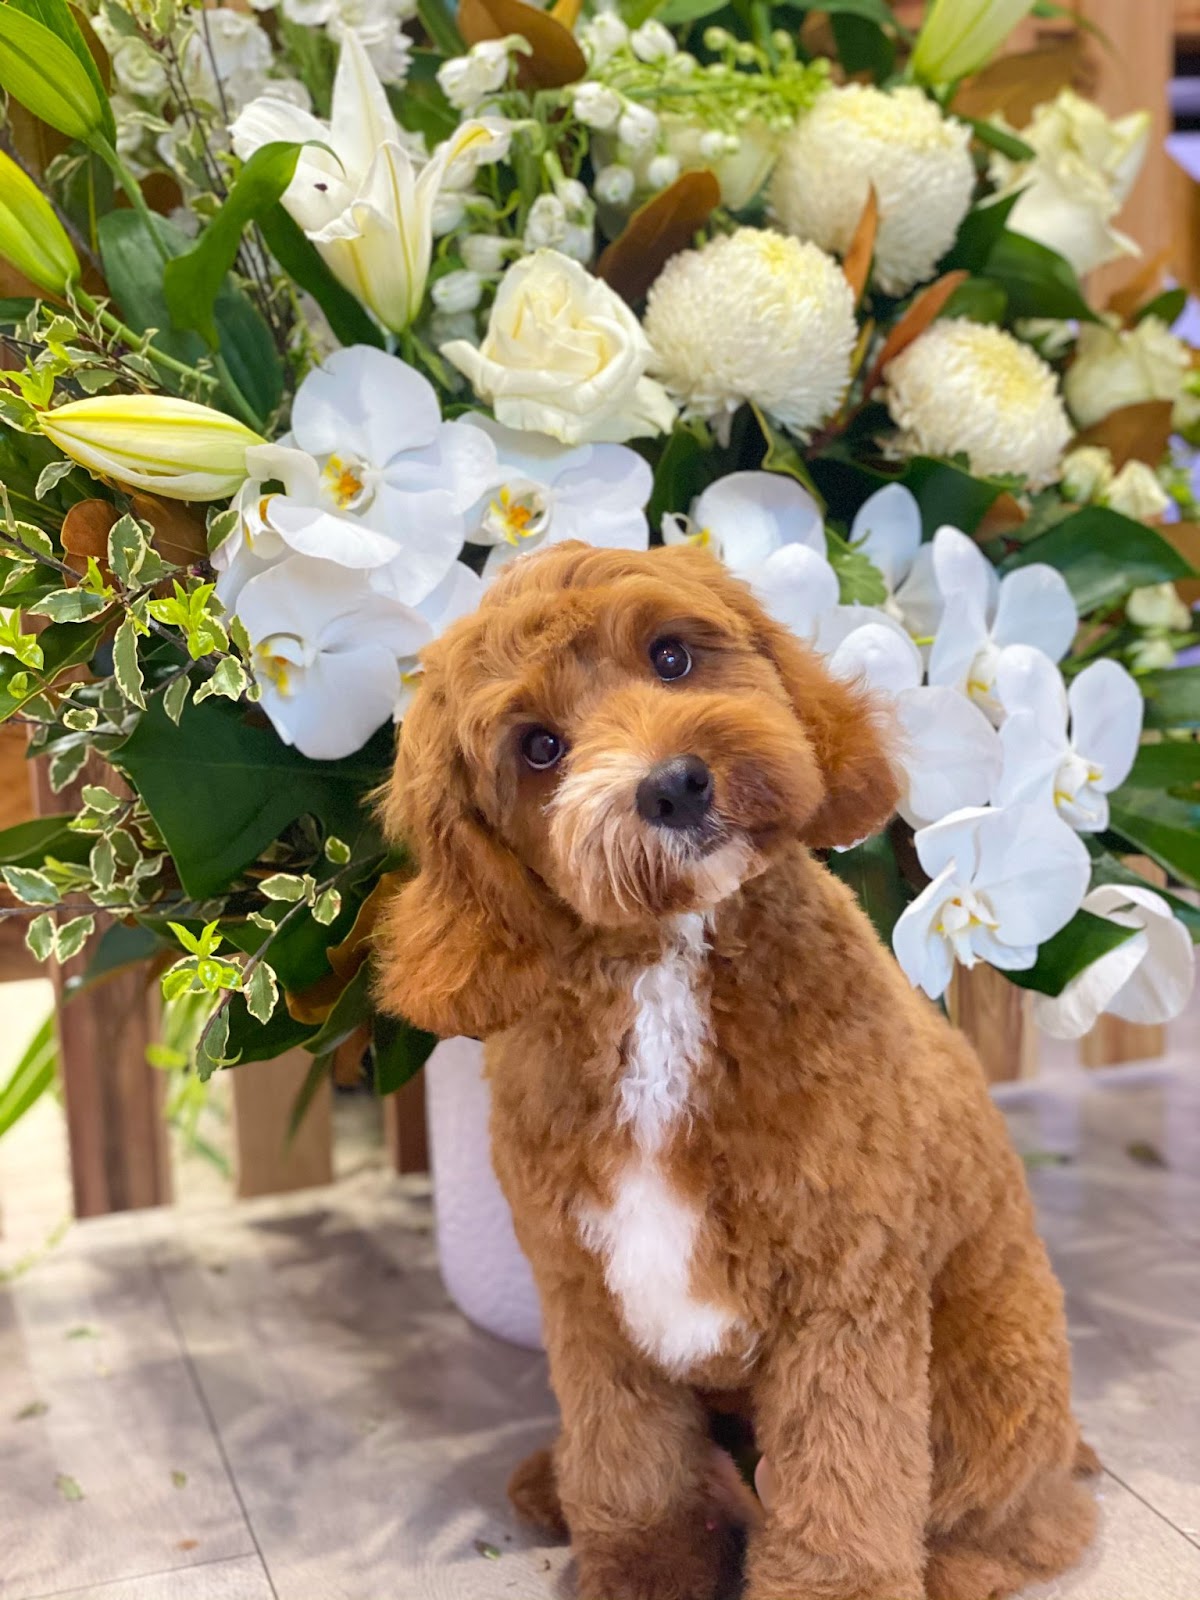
<point>135,340</point>
<point>132,188</point>
<point>240,404</point>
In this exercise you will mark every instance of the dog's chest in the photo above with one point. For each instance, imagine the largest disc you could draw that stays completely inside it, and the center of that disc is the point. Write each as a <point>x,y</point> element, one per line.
<point>647,1235</point>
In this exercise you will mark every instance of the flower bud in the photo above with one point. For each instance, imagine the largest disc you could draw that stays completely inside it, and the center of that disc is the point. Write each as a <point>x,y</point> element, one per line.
<point>42,72</point>
<point>1158,606</point>
<point>597,106</point>
<point>485,253</point>
<point>546,224</point>
<point>1136,492</point>
<point>652,42</point>
<point>614,185</point>
<point>31,236</point>
<point>637,128</point>
<point>603,36</point>
<point>170,447</point>
<point>1086,474</point>
<point>457,291</point>
<point>960,36</point>
<point>575,199</point>
<point>662,171</point>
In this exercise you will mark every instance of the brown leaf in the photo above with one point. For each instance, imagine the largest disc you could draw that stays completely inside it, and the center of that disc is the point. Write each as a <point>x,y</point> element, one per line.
<point>178,531</point>
<point>1005,515</point>
<point>913,323</point>
<point>857,265</point>
<point>315,1003</point>
<point>348,1058</point>
<point>1185,537</point>
<point>1134,433</point>
<point>1012,86</point>
<point>1143,286</point>
<point>566,12</point>
<point>657,231</point>
<point>161,192</point>
<point>86,527</point>
<point>556,58</point>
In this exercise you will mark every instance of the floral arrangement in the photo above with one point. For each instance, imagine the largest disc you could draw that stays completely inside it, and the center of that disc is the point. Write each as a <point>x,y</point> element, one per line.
<point>319,314</point>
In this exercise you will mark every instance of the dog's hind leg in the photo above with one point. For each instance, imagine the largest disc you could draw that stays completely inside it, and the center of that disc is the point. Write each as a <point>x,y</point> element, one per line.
<point>533,1490</point>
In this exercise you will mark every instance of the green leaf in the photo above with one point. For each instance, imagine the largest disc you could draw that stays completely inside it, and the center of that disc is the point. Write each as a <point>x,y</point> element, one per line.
<point>39,937</point>
<point>302,262</point>
<point>51,474</point>
<point>32,1077</point>
<point>316,1075</point>
<point>193,280</point>
<point>337,851</point>
<point>1038,281</point>
<point>97,798</point>
<point>860,581</point>
<point>59,17</point>
<point>437,18</point>
<point>350,1011</point>
<point>214,1041</point>
<point>66,764</point>
<point>29,843</point>
<point>73,935</point>
<point>175,698</point>
<point>783,455</point>
<point>877,11</point>
<point>64,645</point>
<point>1106,868</point>
<point>1000,139</point>
<point>1157,808</point>
<point>977,238</point>
<point>127,669</point>
<point>31,887</point>
<point>1172,697</point>
<point>262,992</point>
<point>948,494</point>
<point>978,299</point>
<point>400,1052</point>
<point>327,907</point>
<point>1168,307</point>
<point>229,680</point>
<point>70,605</point>
<point>1103,556</point>
<point>863,44</point>
<point>871,870</point>
<point>127,552</point>
<point>46,67</point>
<point>677,12</point>
<point>284,886</point>
<point>1085,939</point>
<point>103,863</point>
<point>220,788</point>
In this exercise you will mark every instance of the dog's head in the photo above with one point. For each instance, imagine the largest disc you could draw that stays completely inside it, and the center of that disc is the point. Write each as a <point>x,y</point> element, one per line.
<point>612,738</point>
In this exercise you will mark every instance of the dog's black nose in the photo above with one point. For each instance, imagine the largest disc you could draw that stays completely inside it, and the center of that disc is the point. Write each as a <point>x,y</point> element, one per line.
<point>676,793</point>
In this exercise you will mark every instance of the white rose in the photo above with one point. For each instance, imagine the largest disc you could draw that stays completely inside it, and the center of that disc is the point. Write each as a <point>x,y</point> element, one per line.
<point>466,80</point>
<point>1087,474</point>
<point>546,224</point>
<point>1116,367</point>
<point>1136,492</point>
<point>597,106</point>
<point>564,355</point>
<point>138,69</point>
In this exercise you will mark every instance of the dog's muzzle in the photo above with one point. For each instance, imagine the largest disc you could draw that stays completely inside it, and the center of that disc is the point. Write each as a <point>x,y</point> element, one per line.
<point>676,794</point>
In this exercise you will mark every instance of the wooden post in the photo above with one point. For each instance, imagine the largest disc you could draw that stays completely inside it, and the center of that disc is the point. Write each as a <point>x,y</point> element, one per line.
<point>997,1017</point>
<point>404,1127</point>
<point>266,1162</point>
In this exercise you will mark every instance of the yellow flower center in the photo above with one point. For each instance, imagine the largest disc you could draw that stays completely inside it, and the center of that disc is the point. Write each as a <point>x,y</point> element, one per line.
<point>275,669</point>
<point>344,483</point>
<point>517,513</point>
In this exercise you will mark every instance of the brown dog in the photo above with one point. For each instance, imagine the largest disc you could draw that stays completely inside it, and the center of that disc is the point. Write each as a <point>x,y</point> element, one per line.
<point>742,1154</point>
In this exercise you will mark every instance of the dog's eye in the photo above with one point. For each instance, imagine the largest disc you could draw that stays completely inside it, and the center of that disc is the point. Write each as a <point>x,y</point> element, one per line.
<point>542,748</point>
<point>670,659</point>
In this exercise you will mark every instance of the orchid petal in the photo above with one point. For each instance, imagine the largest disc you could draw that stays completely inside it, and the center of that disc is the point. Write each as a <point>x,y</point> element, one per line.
<point>954,841</point>
<point>918,599</point>
<point>796,586</point>
<point>1074,1012</point>
<point>1035,607</point>
<point>962,570</point>
<point>344,700</point>
<point>1161,986</point>
<point>458,594</point>
<point>1034,870</point>
<point>364,402</point>
<point>887,529</point>
<point>837,625</point>
<point>950,755</point>
<point>924,955</point>
<point>961,637</point>
<point>882,658</point>
<point>750,514</point>
<point>429,538</point>
<point>309,531</point>
<point>1106,721</point>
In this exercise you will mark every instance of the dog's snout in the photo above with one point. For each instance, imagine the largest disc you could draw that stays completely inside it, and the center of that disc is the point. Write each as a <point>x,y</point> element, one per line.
<point>676,793</point>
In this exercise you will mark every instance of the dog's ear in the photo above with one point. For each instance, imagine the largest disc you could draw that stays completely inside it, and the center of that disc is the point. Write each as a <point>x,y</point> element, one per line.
<point>461,948</point>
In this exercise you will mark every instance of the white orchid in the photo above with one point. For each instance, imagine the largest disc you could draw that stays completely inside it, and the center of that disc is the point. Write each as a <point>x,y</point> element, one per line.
<point>358,192</point>
<point>949,753</point>
<point>1147,979</point>
<point>459,592</point>
<point>983,615</point>
<point>1066,748</point>
<point>887,529</point>
<point>544,492</point>
<point>327,652</point>
<point>372,479</point>
<point>768,530</point>
<point>1003,881</point>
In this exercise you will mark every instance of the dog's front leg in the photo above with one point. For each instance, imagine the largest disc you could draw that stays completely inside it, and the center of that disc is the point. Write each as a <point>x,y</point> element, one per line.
<point>842,1415</point>
<point>631,1468</point>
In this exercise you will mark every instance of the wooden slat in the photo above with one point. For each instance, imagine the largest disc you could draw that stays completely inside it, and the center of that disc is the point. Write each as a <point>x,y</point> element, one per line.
<point>997,1018</point>
<point>404,1127</point>
<point>264,1093</point>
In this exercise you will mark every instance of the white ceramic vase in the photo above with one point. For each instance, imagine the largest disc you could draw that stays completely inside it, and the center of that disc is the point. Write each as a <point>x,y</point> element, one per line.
<point>484,1271</point>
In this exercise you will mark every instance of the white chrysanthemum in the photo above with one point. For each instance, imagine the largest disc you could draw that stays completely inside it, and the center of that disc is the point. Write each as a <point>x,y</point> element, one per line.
<point>753,316</point>
<point>964,387</point>
<point>917,159</point>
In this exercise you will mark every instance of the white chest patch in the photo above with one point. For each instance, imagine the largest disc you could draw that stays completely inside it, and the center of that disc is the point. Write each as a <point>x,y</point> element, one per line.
<point>648,1234</point>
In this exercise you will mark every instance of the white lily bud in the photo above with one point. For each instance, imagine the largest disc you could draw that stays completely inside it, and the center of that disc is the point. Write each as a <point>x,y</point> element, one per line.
<point>638,128</point>
<point>485,253</point>
<point>614,185</point>
<point>597,106</point>
<point>662,171</point>
<point>457,291</point>
<point>547,223</point>
<point>652,42</point>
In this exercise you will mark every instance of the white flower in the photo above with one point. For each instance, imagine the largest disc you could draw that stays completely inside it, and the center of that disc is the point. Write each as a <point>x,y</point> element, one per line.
<point>959,36</point>
<point>546,224</point>
<point>1158,606</point>
<point>138,70</point>
<point>579,242</point>
<point>373,479</point>
<point>225,59</point>
<point>662,170</point>
<point>290,90</point>
<point>971,388</point>
<point>544,492</point>
<point>576,201</point>
<point>637,128</point>
<point>1069,749</point>
<point>652,42</point>
<point>485,253</point>
<point>1116,367</point>
<point>887,529</point>
<point>1083,171</point>
<point>466,80</point>
<point>602,36</point>
<point>768,530</point>
<point>1136,492</point>
<point>1147,979</point>
<point>459,592</point>
<point>1087,474</point>
<point>754,316</point>
<point>741,162</point>
<point>326,653</point>
<point>983,615</point>
<point>376,26</point>
<point>357,193</point>
<point>918,161</point>
<point>949,754</point>
<point>597,106</point>
<point>457,291</point>
<point>1003,882</point>
<point>564,355</point>
<point>309,13</point>
<point>614,184</point>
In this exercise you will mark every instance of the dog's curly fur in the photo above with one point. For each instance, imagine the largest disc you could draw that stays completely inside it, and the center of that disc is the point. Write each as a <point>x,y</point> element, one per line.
<point>742,1154</point>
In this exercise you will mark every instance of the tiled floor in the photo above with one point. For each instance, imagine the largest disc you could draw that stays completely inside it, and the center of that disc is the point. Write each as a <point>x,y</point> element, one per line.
<point>275,1400</point>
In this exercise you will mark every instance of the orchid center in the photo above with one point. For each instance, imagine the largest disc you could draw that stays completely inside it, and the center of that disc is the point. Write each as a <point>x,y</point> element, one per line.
<point>279,658</point>
<point>518,512</point>
<point>346,483</point>
<point>962,913</point>
<point>981,683</point>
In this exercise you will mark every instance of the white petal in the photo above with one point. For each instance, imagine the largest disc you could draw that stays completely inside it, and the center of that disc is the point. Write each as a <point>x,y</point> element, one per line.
<point>1072,1013</point>
<point>954,841</point>
<point>1027,680</point>
<point>529,455</point>
<point>925,956</point>
<point>888,530</point>
<point>361,118</point>
<point>962,569</point>
<point>882,658</point>
<point>337,704</point>
<point>461,461</point>
<point>1161,986</point>
<point>750,514</point>
<point>961,636</point>
<point>364,402</point>
<point>1034,869</point>
<point>951,754</point>
<point>1106,720</point>
<point>842,621</point>
<point>295,469</point>
<point>1035,607</point>
<point>458,594</point>
<point>797,586</point>
<point>613,478</point>
<point>428,540</point>
<point>1033,737</point>
<point>323,534</point>
<point>918,599</point>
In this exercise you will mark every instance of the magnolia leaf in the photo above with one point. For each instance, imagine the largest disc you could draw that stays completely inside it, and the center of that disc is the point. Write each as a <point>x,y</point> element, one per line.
<point>1140,432</point>
<point>86,528</point>
<point>70,605</point>
<point>177,529</point>
<point>400,1052</point>
<point>1103,556</point>
<point>73,935</point>
<point>657,231</point>
<point>857,265</point>
<point>1038,281</point>
<point>175,698</point>
<point>262,993</point>
<point>284,886</point>
<point>39,936</point>
<point>126,666</point>
<point>555,58</point>
<point>31,887</point>
<point>53,472</point>
<point>1013,86</point>
<point>997,138</point>
<point>923,310</point>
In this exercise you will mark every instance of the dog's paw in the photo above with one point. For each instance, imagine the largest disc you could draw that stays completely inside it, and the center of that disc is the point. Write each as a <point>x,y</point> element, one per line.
<point>659,1566</point>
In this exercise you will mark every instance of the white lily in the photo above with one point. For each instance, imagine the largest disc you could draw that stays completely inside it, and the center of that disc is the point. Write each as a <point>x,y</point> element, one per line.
<point>1003,881</point>
<point>372,479</point>
<point>983,615</point>
<point>459,592</point>
<point>358,193</point>
<point>1147,979</point>
<point>545,492</point>
<point>1066,748</point>
<point>768,530</point>
<point>327,653</point>
<point>949,752</point>
<point>887,529</point>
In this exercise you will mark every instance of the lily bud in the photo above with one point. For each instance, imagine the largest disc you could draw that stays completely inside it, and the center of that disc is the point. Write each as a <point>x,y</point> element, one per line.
<point>169,447</point>
<point>42,73</point>
<point>31,236</point>
<point>960,36</point>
